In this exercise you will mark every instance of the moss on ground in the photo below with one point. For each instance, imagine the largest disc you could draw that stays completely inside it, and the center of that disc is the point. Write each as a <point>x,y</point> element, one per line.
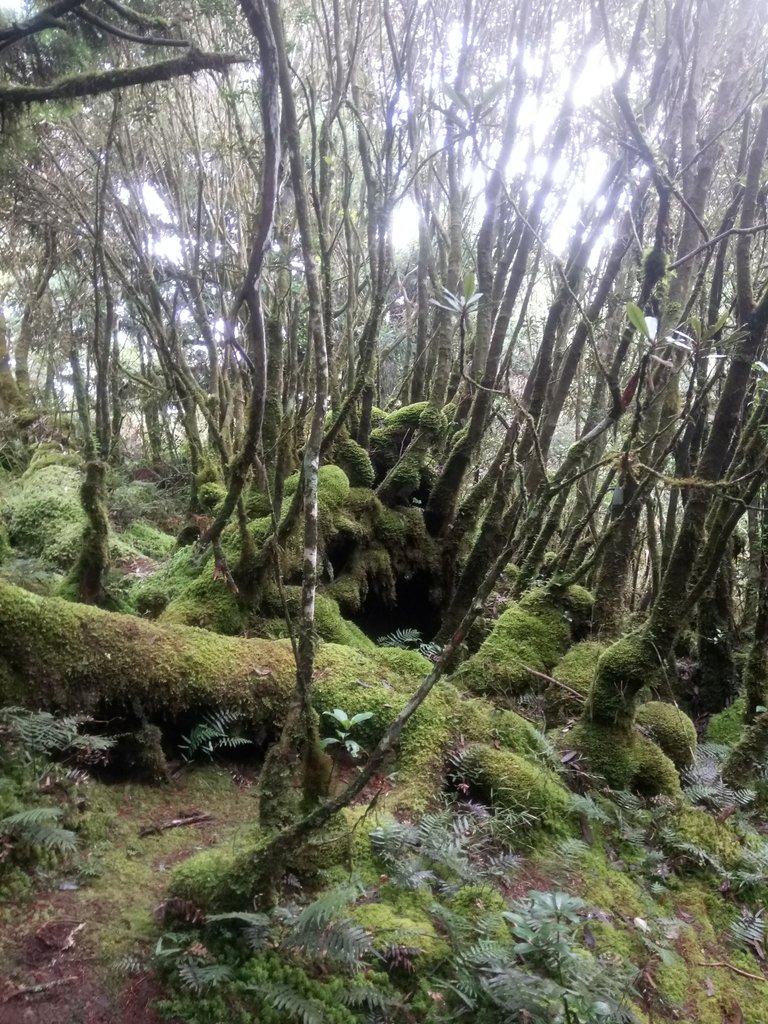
<point>509,782</point>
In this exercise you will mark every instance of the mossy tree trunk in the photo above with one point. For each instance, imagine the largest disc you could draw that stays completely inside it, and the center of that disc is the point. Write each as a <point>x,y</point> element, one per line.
<point>92,565</point>
<point>716,678</point>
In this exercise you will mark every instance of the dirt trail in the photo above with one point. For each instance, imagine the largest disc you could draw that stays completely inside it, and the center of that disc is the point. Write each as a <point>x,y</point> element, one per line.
<point>63,955</point>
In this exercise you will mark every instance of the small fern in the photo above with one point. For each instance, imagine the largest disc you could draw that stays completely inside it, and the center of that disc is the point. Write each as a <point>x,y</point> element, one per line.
<point>403,638</point>
<point>749,931</point>
<point>214,732</point>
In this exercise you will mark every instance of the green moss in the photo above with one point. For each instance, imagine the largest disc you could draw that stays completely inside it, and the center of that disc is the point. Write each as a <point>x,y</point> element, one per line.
<point>509,782</point>
<point>534,633</point>
<point>151,595</point>
<point>355,461</point>
<point>475,901</point>
<point>625,759</point>
<point>389,927</point>
<point>727,726</point>
<point>671,728</point>
<point>148,540</point>
<point>5,543</point>
<point>576,669</point>
<point>623,670</point>
<point>747,758</point>
<point>213,880</point>
<point>39,508</point>
<point>211,496</point>
<point>207,602</point>
<point>396,424</point>
<point>716,837</point>
<point>477,721</point>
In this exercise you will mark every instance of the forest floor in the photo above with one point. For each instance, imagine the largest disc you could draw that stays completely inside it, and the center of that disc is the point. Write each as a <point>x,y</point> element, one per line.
<point>78,952</point>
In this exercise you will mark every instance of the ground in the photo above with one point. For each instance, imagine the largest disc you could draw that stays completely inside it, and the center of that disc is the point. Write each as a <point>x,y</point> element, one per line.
<point>79,936</point>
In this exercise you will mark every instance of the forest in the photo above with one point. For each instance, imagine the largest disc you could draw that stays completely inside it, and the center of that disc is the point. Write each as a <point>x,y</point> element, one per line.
<point>383,511</point>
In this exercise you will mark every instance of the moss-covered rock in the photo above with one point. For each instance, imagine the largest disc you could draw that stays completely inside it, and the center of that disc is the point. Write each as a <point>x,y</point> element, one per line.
<point>207,601</point>
<point>671,728</point>
<point>510,782</point>
<point>41,509</point>
<point>576,670</point>
<point>624,669</point>
<point>533,634</point>
<point>624,758</point>
<point>211,496</point>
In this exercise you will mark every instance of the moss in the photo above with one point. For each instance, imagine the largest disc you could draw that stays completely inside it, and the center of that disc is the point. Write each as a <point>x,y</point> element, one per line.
<point>148,540</point>
<point>726,727</point>
<point>211,496</point>
<point>534,633</point>
<point>207,602</point>
<point>716,837</point>
<point>212,880</point>
<point>5,543</point>
<point>346,592</point>
<point>477,721</point>
<point>151,595</point>
<point>509,782</point>
<point>671,728</point>
<point>89,573</point>
<point>625,759</point>
<point>627,666</point>
<point>389,927</point>
<point>474,901</point>
<point>334,628</point>
<point>576,669</point>
<point>747,758</point>
<point>37,509</point>
<point>355,461</point>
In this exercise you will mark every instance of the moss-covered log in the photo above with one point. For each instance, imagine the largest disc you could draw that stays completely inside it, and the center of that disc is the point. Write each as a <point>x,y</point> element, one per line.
<point>66,656</point>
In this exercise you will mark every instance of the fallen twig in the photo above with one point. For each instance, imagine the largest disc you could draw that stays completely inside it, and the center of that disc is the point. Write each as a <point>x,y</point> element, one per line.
<point>188,819</point>
<point>736,970</point>
<point>44,986</point>
<point>543,675</point>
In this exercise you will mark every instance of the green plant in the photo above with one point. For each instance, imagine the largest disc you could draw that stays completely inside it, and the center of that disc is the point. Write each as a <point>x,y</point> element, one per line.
<point>410,639</point>
<point>215,731</point>
<point>543,974</point>
<point>344,727</point>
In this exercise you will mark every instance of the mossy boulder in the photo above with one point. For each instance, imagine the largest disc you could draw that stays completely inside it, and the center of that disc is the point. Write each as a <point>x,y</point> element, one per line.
<point>43,514</point>
<point>509,782</point>
<point>576,671</point>
<point>533,633</point>
<point>671,728</point>
<point>390,926</point>
<point>623,757</point>
<point>145,539</point>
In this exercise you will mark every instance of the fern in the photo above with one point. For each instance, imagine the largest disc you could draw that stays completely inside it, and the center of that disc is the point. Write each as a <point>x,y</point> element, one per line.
<point>297,1007</point>
<point>749,931</point>
<point>199,978</point>
<point>212,733</point>
<point>38,827</point>
<point>403,638</point>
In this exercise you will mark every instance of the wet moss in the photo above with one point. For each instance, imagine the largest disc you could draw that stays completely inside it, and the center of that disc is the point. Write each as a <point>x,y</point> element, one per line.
<point>671,728</point>
<point>391,927</point>
<point>148,540</point>
<point>207,602</point>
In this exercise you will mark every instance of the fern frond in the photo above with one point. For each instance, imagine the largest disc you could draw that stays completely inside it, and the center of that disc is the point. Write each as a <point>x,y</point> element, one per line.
<point>198,978</point>
<point>404,638</point>
<point>297,1007</point>
<point>749,930</point>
